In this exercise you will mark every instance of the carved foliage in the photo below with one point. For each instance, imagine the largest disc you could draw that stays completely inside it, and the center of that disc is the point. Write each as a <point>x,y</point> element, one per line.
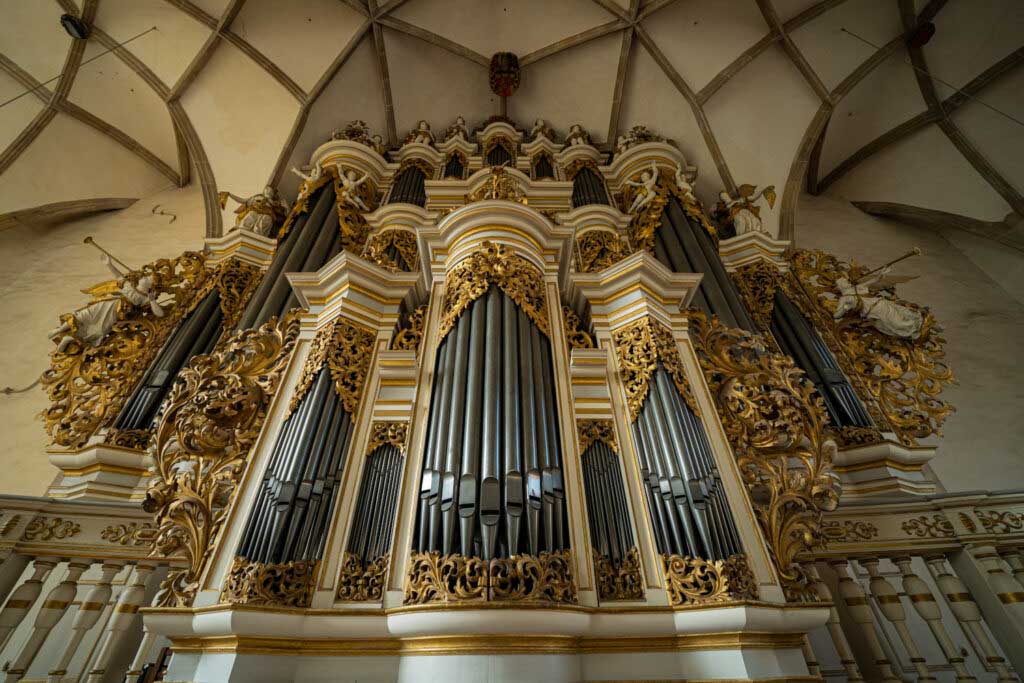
<point>494,264</point>
<point>289,584</point>
<point>361,582</point>
<point>382,433</point>
<point>409,337</point>
<point>88,384</point>
<point>49,528</point>
<point>435,578</point>
<point>134,534</point>
<point>590,431</point>
<point>346,349</point>
<point>449,578</point>
<point>204,433</point>
<point>903,376</point>
<point>776,423</point>
<point>646,223</point>
<point>381,247</point>
<point>995,522</point>
<point>757,283</point>
<point>619,580</point>
<point>640,346</point>
<point>574,336</point>
<point>928,526</point>
<point>598,249</point>
<point>695,581</point>
<point>848,530</point>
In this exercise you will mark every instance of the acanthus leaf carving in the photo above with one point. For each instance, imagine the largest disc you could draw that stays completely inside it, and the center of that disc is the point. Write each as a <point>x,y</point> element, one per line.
<point>640,346</point>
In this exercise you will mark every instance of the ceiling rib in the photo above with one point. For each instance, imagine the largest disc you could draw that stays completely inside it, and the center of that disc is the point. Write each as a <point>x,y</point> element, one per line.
<point>385,75</point>
<point>620,72</point>
<point>572,41</point>
<point>434,39</point>
<point>206,51</point>
<point>771,17</point>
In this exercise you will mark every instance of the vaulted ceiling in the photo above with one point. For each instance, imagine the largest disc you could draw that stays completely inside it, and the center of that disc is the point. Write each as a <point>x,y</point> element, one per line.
<point>803,94</point>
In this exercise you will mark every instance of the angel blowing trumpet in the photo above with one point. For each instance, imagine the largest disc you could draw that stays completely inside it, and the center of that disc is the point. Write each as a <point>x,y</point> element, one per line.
<point>864,297</point>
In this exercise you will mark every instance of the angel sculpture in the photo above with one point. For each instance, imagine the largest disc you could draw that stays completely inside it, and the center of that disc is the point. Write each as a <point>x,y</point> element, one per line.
<point>457,130</point>
<point>865,297</point>
<point>420,134</point>
<point>377,143</point>
<point>742,210</point>
<point>577,136</point>
<point>258,213</point>
<point>113,301</point>
<point>347,185</point>
<point>683,179</point>
<point>542,129</point>
<point>645,193</point>
<point>308,179</point>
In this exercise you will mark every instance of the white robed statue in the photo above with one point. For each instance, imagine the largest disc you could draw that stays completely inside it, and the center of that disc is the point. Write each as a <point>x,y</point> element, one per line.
<point>258,213</point>
<point>742,210</point>
<point>864,298</point>
<point>114,301</point>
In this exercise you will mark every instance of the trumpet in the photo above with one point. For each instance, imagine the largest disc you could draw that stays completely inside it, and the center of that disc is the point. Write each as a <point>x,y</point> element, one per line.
<point>916,251</point>
<point>90,240</point>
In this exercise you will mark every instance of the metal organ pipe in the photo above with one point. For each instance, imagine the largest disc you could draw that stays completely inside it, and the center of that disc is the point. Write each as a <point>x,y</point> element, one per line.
<point>606,502</point>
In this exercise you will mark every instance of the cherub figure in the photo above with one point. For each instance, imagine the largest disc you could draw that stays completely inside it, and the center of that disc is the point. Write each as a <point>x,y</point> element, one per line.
<point>542,129</point>
<point>347,185</point>
<point>742,210</point>
<point>577,136</point>
<point>457,130</point>
<point>420,134</point>
<point>683,178</point>
<point>377,143</point>
<point>114,301</point>
<point>258,213</point>
<point>315,171</point>
<point>886,315</point>
<point>645,193</point>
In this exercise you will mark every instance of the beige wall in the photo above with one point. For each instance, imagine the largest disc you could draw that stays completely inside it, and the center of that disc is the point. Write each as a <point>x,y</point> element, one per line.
<point>42,270</point>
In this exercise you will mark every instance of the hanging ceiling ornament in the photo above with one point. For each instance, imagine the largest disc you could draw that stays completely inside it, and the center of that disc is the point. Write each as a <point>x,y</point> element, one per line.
<point>504,74</point>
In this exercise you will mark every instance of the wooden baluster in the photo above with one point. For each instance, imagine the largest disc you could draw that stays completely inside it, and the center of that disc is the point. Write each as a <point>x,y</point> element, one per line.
<point>1016,562</point>
<point>141,657</point>
<point>857,603</point>
<point>23,597</point>
<point>966,611</point>
<point>124,614</point>
<point>1006,587</point>
<point>53,609</point>
<point>834,627</point>
<point>888,599</point>
<point>85,618</point>
<point>921,598</point>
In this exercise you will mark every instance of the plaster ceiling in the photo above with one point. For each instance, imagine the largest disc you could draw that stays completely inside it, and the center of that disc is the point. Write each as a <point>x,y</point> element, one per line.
<point>229,94</point>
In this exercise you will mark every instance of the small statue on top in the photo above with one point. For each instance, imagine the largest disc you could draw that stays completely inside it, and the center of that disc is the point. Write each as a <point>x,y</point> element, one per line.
<point>420,134</point>
<point>577,136</point>
<point>684,177</point>
<point>347,186</point>
<point>871,297</point>
<point>356,131</point>
<point>259,213</point>
<point>742,210</point>
<point>645,189</point>
<point>635,136</point>
<point>542,129</point>
<point>457,130</point>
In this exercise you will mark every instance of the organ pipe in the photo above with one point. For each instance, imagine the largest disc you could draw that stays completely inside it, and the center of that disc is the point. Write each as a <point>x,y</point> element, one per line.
<point>409,187</point>
<point>375,507</point>
<point>588,188</point>
<point>608,513</point>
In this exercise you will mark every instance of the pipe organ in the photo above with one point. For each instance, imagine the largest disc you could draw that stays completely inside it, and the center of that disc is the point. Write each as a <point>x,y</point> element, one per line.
<point>494,368</point>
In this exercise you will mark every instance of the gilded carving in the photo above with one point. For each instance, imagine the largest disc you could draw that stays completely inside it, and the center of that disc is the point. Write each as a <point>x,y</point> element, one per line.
<point>346,349</point>
<point>619,580</point>
<point>647,221</point>
<point>383,247</point>
<point>500,186</point>
<point>49,528</point>
<point>852,435</point>
<point>8,526</point>
<point>928,526</point>
<point>757,283</point>
<point>204,433</point>
<point>361,582</point>
<point>574,336</point>
<point>135,439</point>
<point>134,534</point>
<point>494,264</point>
<point>289,584</point>
<point>598,249</point>
<point>1000,522</point>
<point>384,433</point>
<point>350,197</point>
<point>409,337</point>
<point>904,377</point>
<point>590,431</point>
<point>848,530</point>
<point>87,385</point>
<point>578,165</point>
<point>776,423</point>
<point>968,522</point>
<point>433,578</point>
<point>320,178</point>
<point>236,282</point>
<point>499,141</point>
<point>640,346</point>
<point>696,581</point>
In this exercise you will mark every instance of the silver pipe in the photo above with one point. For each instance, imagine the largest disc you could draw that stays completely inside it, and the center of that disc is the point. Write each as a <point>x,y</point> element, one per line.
<point>650,484</point>
<point>490,487</point>
<point>514,443</point>
<point>530,436</point>
<point>455,427</point>
<point>471,428</point>
<point>678,516</point>
<point>543,443</point>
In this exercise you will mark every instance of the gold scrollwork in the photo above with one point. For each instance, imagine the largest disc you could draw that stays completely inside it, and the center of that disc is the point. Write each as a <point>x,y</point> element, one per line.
<point>135,534</point>
<point>87,385</point>
<point>206,428</point>
<point>590,431</point>
<point>848,530</point>
<point>904,377</point>
<point>619,580</point>
<point>925,526</point>
<point>852,435</point>
<point>776,423</point>
<point>301,205</point>
<point>382,247</point>
<point>354,228</point>
<point>135,439</point>
<point>48,528</point>
<point>362,582</point>
<point>1000,522</point>
<point>573,169</point>
<point>346,348</point>
<point>500,186</point>
<point>504,143</point>
<point>383,433</point>
<point>9,524</point>
<point>494,264</point>
<point>695,581</point>
<point>598,249</point>
<point>757,283</point>
<point>574,336</point>
<point>289,584</point>
<point>409,337</point>
<point>433,577</point>
<point>646,223</point>
<point>640,346</point>
<point>236,282</point>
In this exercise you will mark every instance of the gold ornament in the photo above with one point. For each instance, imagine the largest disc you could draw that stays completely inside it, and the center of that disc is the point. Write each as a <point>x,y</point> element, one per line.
<point>847,531</point>
<point>289,584</point>
<point>49,528</point>
<point>640,346</point>
<point>619,580</point>
<point>1000,522</point>
<point>354,228</point>
<point>346,348</point>
<point>135,534</point>
<point>433,577</point>
<point>463,163</point>
<point>757,283</point>
<point>851,435</point>
<point>598,249</point>
<point>379,248</point>
<point>696,581</point>
<point>383,433</point>
<point>205,430</point>
<point>573,169</point>
<point>135,439</point>
<point>776,423</point>
<point>904,377</point>
<point>500,186</point>
<point>574,336</point>
<point>504,143</point>
<point>935,526</point>
<point>968,522</point>
<point>801,586</point>
<point>88,384</point>
<point>236,282</point>
<point>409,337</point>
<point>494,264</point>
<point>9,525</point>
<point>646,223</point>
<point>301,205</point>
<point>359,582</point>
<point>590,431</point>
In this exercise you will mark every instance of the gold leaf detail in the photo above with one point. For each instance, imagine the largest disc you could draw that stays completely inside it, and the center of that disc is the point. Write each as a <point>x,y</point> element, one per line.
<point>695,581</point>
<point>346,349</point>
<point>409,337</point>
<point>598,249</point>
<point>135,534</point>
<point>1000,522</point>
<point>619,580</point>
<point>289,584</point>
<point>382,247</point>
<point>382,433</point>
<point>934,526</point>
<point>49,528</point>
<point>757,283</point>
<point>848,530</point>
<point>433,577</point>
<point>590,431</point>
<point>639,346</point>
<point>574,336</point>
<point>361,582</point>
